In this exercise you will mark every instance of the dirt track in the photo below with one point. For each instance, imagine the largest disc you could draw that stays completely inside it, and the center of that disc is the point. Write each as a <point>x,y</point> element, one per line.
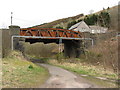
<point>61,78</point>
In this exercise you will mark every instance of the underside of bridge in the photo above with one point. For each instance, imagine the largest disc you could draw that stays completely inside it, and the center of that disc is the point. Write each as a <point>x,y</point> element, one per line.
<point>71,39</point>
<point>72,48</point>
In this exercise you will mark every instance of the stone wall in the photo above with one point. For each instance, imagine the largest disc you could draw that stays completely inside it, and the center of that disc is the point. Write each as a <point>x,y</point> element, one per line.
<point>0,43</point>
<point>6,39</point>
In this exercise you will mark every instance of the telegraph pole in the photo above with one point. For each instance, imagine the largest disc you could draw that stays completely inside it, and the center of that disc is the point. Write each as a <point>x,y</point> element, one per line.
<point>11,18</point>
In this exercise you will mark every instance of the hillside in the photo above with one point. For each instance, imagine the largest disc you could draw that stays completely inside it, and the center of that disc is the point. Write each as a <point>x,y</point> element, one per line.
<point>61,22</point>
<point>114,17</point>
<point>20,73</point>
<point>113,11</point>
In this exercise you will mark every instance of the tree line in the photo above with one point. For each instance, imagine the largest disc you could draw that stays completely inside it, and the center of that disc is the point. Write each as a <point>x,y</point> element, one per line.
<point>101,19</point>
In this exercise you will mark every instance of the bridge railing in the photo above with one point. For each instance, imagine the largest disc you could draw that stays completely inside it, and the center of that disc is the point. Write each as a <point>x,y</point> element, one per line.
<point>50,32</point>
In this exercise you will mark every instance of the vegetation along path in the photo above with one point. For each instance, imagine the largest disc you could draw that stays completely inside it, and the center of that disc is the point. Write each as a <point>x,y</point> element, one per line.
<point>61,78</point>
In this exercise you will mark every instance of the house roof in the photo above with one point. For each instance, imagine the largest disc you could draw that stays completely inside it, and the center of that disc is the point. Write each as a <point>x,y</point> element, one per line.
<point>74,26</point>
<point>79,25</point>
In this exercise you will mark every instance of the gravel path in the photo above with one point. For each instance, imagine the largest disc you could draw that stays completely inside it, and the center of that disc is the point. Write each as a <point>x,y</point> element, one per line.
<point>61,78</point>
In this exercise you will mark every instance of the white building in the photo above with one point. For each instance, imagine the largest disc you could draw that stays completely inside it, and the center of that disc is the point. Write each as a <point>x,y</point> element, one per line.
<point>83,27</point>
<point>98,29</point>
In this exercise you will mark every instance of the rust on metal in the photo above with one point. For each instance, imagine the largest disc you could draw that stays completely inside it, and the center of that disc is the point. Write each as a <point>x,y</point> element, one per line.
<point>50,32</point>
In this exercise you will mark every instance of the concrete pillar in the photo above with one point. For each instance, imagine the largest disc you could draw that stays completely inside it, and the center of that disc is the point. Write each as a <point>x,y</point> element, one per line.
<point>14,31</point>
<point>69,50</point>
<point>72,49</point>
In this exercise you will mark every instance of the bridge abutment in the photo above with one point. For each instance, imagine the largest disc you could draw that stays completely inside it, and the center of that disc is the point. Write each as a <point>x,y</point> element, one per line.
<point>73,49</point>
<point>6,39</point>
<point>14,31</point>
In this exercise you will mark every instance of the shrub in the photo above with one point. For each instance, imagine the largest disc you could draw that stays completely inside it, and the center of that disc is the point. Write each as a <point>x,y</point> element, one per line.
<point>104,19</point>
<point>91,19</point>
<point>105,53</point>
<point>39,50</point>
<point>59,27</point>
<point>30,67</point>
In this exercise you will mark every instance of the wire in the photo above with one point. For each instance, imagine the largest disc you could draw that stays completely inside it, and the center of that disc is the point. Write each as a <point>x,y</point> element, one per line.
<point>23,20</point>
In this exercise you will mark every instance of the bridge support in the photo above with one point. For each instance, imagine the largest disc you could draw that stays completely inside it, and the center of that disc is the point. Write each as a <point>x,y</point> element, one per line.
<point>14,30</point>
<point>73,49</point>
<point>6,39</point>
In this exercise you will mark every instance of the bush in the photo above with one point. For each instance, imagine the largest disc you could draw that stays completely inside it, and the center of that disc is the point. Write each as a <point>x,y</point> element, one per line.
<point>30,67</point>
<point>39,50</point>
<point>59,57</point>
<point>59,27</point>
<point>105,53</point>
<point>91,19</point>
<point>104,19</point>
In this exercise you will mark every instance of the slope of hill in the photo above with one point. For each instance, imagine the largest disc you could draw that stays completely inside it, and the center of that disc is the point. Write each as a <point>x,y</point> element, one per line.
<point>61,22</point>
<point>114,17</point>
<point>17,72</point>
<point>113,11</point>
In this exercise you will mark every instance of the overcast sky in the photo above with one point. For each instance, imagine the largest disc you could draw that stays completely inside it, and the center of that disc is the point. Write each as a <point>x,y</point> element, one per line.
<point>28,13</point>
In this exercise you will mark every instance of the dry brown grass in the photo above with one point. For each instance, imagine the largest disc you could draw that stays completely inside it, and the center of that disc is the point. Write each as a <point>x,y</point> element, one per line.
<point>104,53</point>
<point>17,72</point>
<point>39,50</point>
<point>84,68</point>
<point>60,22</point>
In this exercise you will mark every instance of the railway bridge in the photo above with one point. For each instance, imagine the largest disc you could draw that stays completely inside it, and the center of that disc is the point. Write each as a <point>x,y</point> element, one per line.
<point>72,40</point>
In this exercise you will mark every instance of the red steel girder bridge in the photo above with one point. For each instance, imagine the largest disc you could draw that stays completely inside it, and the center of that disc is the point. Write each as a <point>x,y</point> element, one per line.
<point>50,32</point>
<point>72,39</point>
<point>48,35</point>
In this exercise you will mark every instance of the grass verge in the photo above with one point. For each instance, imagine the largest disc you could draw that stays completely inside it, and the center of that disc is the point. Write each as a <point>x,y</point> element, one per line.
<point>107,78</point>
<point>20,73</point>
<point>85,69</point>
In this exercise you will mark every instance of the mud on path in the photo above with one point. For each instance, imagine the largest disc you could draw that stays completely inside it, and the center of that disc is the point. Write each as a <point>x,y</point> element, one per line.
<point>60,78</point>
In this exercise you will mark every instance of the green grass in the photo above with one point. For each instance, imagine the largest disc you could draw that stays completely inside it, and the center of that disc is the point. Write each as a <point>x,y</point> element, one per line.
<point>19,73</point>
<point>85,69</point>
<point>92,72</point>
